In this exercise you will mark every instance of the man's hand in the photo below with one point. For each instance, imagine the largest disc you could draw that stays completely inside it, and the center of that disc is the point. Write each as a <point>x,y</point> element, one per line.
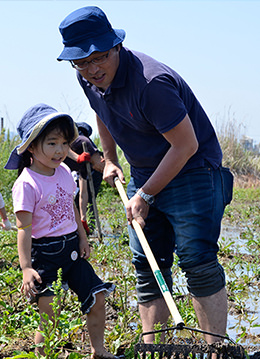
<point>137,209</point>
<point>84,157</point>
<point>111,171</point>
<point>97,162</point>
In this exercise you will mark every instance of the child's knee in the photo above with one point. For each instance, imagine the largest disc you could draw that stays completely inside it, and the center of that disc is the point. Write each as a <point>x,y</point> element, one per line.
<point>45,306</point>
<point>99,303</point>
<point>100,299</point>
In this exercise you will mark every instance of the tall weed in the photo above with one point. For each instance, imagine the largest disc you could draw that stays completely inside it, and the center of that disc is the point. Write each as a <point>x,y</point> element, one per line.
<point>235,156</point>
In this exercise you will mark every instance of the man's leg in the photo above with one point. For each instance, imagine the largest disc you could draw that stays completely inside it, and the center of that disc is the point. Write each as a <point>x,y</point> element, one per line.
<point>211,312</point>
<point>151,313</point>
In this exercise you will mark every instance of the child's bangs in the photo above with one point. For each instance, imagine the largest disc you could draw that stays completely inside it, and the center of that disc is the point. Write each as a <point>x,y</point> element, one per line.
<point>63,126</point>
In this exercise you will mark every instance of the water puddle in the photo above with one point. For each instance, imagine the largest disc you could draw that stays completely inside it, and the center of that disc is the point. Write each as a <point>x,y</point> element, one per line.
<point>244,322</point>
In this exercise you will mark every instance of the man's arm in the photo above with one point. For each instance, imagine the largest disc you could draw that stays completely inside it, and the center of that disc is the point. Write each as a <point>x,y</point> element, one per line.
<point>112,167</point>
<point>184,145</point>
<point>73,155</point>
<point>83,198</point>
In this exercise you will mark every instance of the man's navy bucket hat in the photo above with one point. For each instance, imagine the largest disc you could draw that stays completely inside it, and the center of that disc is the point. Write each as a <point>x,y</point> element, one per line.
<point>87,30</point>
<point>31,125</point>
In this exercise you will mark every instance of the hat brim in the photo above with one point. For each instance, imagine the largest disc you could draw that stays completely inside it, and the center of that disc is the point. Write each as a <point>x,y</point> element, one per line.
<point>13,160</point>
<point>85,48</point>
<point>15,157</point>
<point>41,125</point>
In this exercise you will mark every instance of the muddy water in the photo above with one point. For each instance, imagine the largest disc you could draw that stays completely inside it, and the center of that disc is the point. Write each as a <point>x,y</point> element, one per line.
<point>248,320</point>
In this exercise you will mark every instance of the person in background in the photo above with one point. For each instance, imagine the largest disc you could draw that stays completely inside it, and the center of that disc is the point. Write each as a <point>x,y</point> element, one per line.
<point>178,188</point>
<point>6,225</point>
<point>76,160</point>
<point>50,233</point>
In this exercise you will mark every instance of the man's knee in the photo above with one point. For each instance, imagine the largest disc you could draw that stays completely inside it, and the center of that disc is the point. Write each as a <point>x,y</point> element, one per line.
<point>147,287</point>
<point>205,279</point>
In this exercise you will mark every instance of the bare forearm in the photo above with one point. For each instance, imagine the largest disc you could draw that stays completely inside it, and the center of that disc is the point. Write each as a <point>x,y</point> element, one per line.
<point>24,243</point>
<point>169,167</point>
<point>73,155</point>
<point>184,145</point>
<point>3,213</point>
<point>107,142</point>
<point>83,198</point>
<point>24,238</point>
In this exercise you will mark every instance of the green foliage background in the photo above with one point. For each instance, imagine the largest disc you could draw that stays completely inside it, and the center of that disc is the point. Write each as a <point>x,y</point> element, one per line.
<point>112,261</point>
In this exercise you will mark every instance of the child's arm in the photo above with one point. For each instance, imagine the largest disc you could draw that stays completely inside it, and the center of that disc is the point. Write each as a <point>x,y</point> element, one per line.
<point>83,241</point>
<point>24,225</point>
<point>6,224</point>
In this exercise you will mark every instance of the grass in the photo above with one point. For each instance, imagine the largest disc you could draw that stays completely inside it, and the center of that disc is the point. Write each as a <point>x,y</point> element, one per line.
<point>112,261</point>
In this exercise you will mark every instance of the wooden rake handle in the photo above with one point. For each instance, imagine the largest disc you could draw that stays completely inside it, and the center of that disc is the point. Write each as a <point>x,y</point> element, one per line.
<point>152,262</point>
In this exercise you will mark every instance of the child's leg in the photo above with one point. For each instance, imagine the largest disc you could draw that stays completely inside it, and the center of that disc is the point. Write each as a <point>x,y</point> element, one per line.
<point>44,307</point>
<point>96,327</point>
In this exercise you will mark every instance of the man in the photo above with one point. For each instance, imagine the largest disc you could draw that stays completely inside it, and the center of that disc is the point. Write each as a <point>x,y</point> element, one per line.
<point>178,189</point>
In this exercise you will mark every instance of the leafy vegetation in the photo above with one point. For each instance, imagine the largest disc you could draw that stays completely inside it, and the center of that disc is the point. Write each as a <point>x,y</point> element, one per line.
<point>111,259</point>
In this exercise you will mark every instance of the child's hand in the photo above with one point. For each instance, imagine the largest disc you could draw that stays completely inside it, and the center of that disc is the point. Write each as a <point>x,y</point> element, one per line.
<point>84,249</point>
<point>28,287</point>
<point>6,224</point>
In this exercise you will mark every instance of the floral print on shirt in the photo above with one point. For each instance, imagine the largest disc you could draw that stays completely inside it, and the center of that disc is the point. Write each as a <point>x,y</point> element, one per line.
<point>60,207</point>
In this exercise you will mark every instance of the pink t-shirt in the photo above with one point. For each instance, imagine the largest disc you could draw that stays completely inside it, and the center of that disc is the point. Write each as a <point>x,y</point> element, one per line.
<point>49,199</point>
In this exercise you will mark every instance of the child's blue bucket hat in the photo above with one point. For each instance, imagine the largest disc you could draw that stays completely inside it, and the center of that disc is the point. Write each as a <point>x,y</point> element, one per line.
<point>87,30</point>
<point>33,122</point>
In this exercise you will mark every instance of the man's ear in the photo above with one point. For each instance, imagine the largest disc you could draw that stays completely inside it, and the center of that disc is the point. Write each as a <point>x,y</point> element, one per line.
<point>30,148</point>
<point>118,47</point>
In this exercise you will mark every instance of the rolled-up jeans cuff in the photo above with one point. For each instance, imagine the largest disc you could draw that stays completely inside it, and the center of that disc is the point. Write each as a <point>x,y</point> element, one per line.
<point>206,279</point>
<point>147,287</point>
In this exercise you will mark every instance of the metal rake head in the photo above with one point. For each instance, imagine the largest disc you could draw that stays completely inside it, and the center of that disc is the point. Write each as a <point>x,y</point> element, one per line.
<point>189,348</point>
<point>188,351</point>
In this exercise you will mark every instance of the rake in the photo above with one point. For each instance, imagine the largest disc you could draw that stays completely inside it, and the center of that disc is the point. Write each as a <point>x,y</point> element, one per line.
<point>93,196</point>
<point>178,348</point>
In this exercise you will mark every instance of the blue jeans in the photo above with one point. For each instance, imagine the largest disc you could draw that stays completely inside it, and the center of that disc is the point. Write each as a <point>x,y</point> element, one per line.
<point>186,218</point>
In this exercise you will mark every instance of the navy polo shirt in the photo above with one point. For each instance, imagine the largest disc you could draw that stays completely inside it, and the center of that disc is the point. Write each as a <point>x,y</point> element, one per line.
<point>146,99</point>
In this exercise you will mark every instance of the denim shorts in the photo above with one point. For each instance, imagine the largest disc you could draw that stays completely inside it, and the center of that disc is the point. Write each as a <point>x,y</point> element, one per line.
<point>51,253</point>
<point>186,219</point>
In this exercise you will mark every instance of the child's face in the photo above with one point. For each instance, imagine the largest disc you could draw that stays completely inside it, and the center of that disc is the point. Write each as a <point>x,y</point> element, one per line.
<point>49,154</point>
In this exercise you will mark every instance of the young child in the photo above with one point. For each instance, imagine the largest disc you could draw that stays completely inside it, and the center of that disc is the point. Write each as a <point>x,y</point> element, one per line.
<point>50,233</point>
<point>6,225</point>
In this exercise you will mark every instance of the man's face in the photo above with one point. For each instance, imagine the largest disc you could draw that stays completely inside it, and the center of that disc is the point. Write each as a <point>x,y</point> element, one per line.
<point>99,68</point>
